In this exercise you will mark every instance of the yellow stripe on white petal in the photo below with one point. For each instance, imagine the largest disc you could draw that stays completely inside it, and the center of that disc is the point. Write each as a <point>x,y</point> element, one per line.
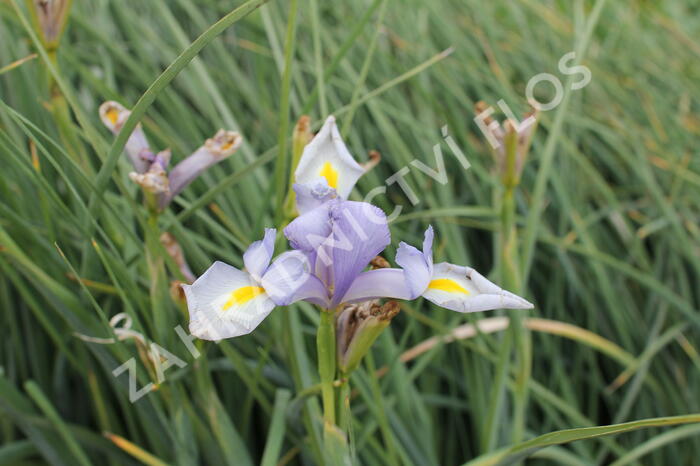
<point>241,296</point>
<point>226,302</point>
<point>463,289</point>
<point>330,174</point>
<point>448,285</point>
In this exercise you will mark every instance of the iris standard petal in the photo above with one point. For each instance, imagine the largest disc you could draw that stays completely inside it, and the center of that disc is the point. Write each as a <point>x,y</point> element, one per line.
<point>308,231</point>
<point>342,237</point>
<point>313,194</point>
<point>257,256</point>
<point>417,265</point>
<point>327,156</point>
<point>463,289</point>
<point>417,270</point>
<point>379,283</point>
<point>428,237</point>
<point>225,302</point>
<point>360,232</point>
<point>289,279</point>
<point>137,149</point>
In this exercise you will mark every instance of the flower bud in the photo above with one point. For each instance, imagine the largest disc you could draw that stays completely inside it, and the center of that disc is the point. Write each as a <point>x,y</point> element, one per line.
<point>301,136</point>
<point>512,142</point>
<point>177,293</point>
<point>357,327</point>
<point>50,16</point>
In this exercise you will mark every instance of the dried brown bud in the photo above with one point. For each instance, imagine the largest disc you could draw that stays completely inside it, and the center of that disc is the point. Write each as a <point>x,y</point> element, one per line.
<point>374,158</point>
<point>379,263</point>
<point>154,181</point>
<point>481,107</point>
<point>389,310</point>
<point>357,326</point>
<point>177,292</point>
<point>175,251</point>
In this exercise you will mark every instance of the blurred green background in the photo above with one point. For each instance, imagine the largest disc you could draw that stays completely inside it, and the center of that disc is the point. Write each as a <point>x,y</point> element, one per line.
<point>608,213</point>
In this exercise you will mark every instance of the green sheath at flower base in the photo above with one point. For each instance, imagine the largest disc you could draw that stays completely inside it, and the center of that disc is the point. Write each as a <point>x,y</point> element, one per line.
<point>358,326</point>
<point>301,136</point>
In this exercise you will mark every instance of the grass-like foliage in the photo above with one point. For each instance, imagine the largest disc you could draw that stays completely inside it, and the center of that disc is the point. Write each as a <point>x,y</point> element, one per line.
<point>597,226</point>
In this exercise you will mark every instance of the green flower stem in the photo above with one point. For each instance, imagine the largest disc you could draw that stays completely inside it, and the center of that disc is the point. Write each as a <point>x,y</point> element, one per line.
<point>343,402</point>
<point>516,331</point>
<point>58,107</point>
<point>517,338</point>
<point>335,447</point>
<point>326,346</point>
<point>511,280</point>
<point>157,279</point>
<point>66,129</point>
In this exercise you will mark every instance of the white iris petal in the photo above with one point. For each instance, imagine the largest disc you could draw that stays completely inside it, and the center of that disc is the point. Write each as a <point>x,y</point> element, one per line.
<point>463,289</point>
<point>327,156</point>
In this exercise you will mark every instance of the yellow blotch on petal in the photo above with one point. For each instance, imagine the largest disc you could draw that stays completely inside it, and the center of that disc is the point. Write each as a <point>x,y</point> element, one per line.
<point>330,174</point>
<point>448,285</point>
<point>241,296</point>
<point>112,115</point>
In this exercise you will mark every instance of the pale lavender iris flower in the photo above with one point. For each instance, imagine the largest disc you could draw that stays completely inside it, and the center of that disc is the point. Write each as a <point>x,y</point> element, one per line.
<point>334,241</point>
<point>333,245</point>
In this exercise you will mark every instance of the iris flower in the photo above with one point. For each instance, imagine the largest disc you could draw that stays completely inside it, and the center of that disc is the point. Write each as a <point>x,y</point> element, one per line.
<point>332,245</point>
<point>333,241</point>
